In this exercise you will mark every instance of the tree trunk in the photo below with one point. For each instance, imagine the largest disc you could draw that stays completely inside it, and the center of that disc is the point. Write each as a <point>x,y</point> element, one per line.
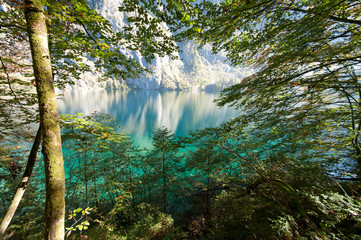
<point>164,185</point>
<point>49,119</point>
<point>357,130</point>
<point>207,189</point>
<point>131,182</point>
<point>86,178</point>
<point>23,184</point>
<point>95,187</point>
<point>358,157</point>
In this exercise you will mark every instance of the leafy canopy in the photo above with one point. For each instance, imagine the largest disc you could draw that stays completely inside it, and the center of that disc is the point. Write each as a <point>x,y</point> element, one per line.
<point>80,40</point>
<point>306,61</point>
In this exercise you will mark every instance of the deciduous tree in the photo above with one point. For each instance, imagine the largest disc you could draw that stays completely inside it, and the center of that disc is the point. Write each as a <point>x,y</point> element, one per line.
<point>49,120</point>
<point>306,59</point>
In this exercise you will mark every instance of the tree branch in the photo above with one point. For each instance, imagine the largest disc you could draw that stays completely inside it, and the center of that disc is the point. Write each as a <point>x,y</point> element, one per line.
<point>337,19</point>
<point>23,184</point>
<point>12,26</point>
<point>260,173</point>
<point>9,83</point>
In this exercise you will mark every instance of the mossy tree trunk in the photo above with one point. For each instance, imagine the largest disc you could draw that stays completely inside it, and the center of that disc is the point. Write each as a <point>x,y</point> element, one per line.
<point>49,119</point>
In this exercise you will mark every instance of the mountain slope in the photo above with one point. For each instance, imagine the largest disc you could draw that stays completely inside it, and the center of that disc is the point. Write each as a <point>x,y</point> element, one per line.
<point>195,68</point>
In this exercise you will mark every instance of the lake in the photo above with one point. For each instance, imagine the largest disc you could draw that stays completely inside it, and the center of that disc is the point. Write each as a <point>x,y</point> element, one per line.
<point>141,112</point>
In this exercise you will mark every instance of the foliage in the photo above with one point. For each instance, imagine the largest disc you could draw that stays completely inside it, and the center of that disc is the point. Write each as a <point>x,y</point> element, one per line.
<point>77,225</point>
<point>305,54</point>
<point>304,96</point>
<point>80,40</point>
<point>76,29</point>
<point>28,222</point>
<point>263,175</point>
<point>161,166</point>
<point>270,213</point>
<point>93,127</point>
<point>29,226</point>
<point>127,222</point>
<point>100,152</point>
<point>216,188</point>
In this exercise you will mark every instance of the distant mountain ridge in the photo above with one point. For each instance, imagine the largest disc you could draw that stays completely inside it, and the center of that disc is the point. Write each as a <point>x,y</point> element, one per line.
<point>195,68</point>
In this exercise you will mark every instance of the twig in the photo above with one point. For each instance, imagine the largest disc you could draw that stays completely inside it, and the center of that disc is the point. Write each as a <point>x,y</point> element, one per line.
<point>12,25</point>
<point>348,179</point>
<point>9,83</point>
<point>338,184</point>
<point>247,161</point>
<point>71,227</point>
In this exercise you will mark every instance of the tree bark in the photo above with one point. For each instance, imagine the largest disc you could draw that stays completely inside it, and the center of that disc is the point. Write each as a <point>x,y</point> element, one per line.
<point>49,119</point>
<point>164,185</point>
<point>23,184</point>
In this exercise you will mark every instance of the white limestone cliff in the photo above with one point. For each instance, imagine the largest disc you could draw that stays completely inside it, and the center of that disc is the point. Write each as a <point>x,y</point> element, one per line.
<point>195,68</point>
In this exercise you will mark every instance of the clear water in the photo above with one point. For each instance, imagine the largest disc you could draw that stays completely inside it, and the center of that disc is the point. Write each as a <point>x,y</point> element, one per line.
<point>141,112</point>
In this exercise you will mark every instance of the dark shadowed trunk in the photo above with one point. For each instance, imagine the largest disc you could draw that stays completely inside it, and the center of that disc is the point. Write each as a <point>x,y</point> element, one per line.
<point>23,184</point>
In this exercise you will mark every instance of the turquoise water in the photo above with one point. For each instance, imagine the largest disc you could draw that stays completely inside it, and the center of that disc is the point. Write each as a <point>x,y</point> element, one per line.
<point>141,112</point>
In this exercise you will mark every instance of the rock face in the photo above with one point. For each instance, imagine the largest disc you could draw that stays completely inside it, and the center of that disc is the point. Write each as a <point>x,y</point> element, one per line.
<point>195,69</point>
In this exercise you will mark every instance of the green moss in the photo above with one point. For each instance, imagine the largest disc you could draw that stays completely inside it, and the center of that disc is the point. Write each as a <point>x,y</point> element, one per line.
<point>54,166</point>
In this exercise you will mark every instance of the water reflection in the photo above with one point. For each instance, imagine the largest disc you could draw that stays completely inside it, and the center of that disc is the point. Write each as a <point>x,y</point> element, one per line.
<point>140,112</point>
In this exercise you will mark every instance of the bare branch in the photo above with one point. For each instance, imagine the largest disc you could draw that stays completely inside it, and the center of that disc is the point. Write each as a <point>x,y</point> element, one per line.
<point>337,19</point>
